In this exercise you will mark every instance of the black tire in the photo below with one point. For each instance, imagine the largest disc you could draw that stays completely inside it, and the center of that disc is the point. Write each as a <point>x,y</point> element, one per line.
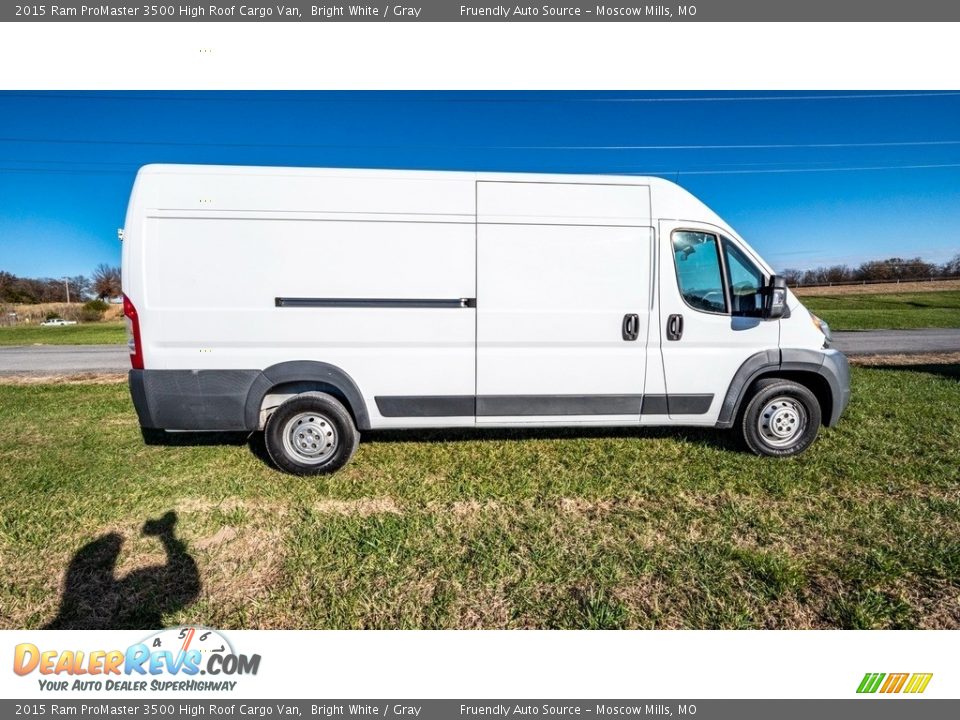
<point>781,418</point>
<point>328,439</point>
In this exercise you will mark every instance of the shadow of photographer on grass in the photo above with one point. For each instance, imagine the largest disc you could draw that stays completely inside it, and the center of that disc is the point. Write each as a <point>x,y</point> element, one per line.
<point>94,598</point>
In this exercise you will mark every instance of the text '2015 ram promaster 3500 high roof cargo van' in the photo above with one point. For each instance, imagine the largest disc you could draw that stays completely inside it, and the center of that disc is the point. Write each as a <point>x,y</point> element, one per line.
<point>314,304</point>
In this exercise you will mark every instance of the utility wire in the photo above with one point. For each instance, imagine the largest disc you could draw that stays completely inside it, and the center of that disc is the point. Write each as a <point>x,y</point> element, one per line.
<point>761,146</point>
<point>134,165</point>
<point>822,169</point>
<point>450,97</point>
<point>655,173</point>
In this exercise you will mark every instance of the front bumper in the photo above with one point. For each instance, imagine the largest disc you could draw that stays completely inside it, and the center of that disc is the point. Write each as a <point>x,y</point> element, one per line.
<point>836,369</point>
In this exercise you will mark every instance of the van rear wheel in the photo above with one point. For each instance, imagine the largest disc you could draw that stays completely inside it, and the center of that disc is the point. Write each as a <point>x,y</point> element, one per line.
<point>781,419</point>
<point>311,434</point>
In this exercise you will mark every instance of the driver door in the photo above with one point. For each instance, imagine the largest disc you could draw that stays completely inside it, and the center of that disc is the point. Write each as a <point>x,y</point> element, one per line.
<point>709,323</point>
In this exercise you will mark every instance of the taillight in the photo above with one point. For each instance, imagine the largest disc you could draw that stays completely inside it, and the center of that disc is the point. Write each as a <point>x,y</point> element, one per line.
<point>133,334</point>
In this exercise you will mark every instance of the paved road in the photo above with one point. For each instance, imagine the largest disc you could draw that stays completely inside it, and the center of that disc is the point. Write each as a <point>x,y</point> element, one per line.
<point>896,342</point>
<point>59,359</point>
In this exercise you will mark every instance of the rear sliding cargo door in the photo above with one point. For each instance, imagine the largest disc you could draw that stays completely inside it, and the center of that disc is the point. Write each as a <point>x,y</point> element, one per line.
<point>563,301</point>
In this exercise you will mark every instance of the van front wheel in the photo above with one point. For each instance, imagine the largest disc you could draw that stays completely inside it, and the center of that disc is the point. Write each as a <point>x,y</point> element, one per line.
<point>311,434</point>
<point>782,418</point>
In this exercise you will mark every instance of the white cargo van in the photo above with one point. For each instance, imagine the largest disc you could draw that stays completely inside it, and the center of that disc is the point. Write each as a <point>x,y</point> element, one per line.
<point>315,304</point>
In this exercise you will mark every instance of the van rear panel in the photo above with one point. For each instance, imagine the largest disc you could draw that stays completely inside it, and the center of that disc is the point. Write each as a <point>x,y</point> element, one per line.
<point>323,276</point>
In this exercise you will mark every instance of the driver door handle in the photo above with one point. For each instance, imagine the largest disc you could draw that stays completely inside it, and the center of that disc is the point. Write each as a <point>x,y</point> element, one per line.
<point>630,330</point>
<point>674,327</point>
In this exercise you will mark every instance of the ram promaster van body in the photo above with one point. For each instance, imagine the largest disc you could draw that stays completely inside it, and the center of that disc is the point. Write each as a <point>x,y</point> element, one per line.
<point>315,304</point>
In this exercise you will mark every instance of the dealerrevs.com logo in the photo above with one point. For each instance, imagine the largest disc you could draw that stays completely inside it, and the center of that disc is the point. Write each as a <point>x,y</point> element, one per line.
<point>179,659</point>
<point>910,683</point>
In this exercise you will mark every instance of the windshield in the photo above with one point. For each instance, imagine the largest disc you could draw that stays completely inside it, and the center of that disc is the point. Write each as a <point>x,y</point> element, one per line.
<point>745,281</point>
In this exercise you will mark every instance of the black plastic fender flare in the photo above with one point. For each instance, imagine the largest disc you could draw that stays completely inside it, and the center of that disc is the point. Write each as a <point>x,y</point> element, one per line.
<point>828,364</point>
<point>305,371</point>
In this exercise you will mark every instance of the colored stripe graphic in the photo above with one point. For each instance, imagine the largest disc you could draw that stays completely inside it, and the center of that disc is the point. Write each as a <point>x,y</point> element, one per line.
<point>894,682</point>
<point>918,683</point>
<point>870,682</point>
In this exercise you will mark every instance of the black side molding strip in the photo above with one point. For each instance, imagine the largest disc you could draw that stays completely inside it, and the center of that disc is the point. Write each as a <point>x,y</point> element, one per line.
<point>532,405</point>
<point>689,404</point>
<point>300,302</point>
<point>654,405</point>
<point>496,405</point>
<point>427,405</point>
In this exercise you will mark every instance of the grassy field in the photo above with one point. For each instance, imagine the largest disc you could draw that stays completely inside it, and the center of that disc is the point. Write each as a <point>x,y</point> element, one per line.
<point>612,529</point>
<point>870,311</point>
<point>102,333</point>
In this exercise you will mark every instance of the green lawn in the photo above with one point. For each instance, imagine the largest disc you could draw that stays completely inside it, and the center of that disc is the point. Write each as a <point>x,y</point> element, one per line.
<point>896,311</point>
<point>102,333</point>
<point>608,529</point>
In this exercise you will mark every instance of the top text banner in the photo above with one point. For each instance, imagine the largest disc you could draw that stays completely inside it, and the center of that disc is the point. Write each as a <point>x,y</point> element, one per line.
<point>452,11</point>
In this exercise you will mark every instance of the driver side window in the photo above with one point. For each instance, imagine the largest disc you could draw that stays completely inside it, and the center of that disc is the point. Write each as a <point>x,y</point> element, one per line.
<point>697,259</point>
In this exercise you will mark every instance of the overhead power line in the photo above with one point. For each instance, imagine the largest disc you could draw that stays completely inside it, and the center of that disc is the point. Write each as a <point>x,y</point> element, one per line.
<point>545,97</point>
<point>761,146</point>
<point>655,173</point>
<point>666,168</point>
<point>352,146</point>
<point>930,166</point>
<point>782,98</point>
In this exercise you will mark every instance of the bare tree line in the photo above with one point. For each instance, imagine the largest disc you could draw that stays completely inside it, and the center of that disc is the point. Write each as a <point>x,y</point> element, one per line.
<point>890,269</point>
<point>104,284</point>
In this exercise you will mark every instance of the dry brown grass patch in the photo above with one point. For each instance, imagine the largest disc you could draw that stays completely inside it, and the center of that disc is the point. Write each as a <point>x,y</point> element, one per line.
<point>363,507</point>
<point>482,608</point>
<point>792,613</point>
<point>223,535</point>
<point>903,359</point>
<point>879,288</point>
<point>937,602</point>
<point>241,568</point>
<point>647,598</point>
<point>91,378</point>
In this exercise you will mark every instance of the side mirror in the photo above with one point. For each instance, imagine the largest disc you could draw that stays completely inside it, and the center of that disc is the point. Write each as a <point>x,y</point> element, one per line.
<point>775,298</point>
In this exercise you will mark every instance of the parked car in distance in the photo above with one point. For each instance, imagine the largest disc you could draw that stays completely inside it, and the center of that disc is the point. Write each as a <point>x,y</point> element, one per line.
<point>314,304</point>
<point>57,322</point>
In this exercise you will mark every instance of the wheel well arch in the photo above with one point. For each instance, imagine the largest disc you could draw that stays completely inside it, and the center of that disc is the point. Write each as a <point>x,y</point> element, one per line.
<point>283,380</point>
<point>813,381</point>
<point>796,364</point>
<point>278,394</point>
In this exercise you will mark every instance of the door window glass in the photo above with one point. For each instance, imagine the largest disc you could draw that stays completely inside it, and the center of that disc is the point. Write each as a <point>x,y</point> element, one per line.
<point>745,281</point>
<point>697,258</point>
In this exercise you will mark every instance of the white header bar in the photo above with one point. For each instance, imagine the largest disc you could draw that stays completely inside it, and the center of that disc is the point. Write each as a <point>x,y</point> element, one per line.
<point>440,56</point>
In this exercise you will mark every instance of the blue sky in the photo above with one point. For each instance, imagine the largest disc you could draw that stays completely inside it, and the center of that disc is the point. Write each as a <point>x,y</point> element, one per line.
<point>67,160</point>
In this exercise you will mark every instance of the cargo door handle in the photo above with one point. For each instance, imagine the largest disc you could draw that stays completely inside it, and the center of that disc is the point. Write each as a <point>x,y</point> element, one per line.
<point>631,327</point>
<point>674,327</point>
